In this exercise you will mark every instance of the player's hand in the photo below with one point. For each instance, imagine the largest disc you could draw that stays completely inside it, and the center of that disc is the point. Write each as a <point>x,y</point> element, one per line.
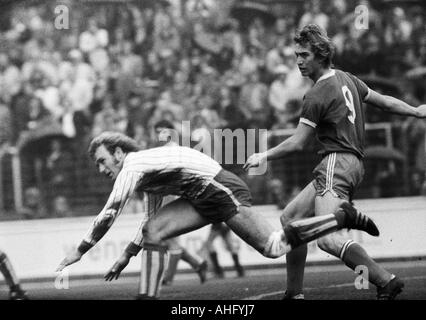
<point>255,160</point>
<point>421,111</point>
<point>70,259</point>
<point>116,269</point>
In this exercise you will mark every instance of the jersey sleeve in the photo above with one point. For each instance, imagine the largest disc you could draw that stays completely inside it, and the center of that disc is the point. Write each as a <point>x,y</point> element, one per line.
<point>362,88</point>
<point>311,112</point>
<point>124,186</point>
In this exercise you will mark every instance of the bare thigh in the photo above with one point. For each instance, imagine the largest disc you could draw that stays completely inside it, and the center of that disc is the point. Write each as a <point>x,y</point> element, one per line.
<point>175,218</point>
<point>326,204</point>
<point>302,206</point>
<point>252,228</point>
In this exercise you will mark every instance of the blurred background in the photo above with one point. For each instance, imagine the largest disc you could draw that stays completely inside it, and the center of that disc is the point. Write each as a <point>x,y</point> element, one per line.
<point>124,65</point>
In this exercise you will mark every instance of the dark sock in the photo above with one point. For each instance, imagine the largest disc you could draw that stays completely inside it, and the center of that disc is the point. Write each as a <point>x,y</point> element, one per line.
<point>191,259</point>
<point>8,272</point>
<point>295,261</point>
<point>216,266</point>
<point>238,266</point>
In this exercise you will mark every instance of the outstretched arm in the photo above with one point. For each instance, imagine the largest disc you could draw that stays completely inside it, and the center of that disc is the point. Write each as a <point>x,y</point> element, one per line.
<point>124,186</point>
<point>152,203</point>
<point>394,105</point>
<point>296,142</point>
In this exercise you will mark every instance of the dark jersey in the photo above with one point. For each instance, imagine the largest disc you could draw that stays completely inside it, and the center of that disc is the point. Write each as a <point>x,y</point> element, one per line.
<point>334,107</point>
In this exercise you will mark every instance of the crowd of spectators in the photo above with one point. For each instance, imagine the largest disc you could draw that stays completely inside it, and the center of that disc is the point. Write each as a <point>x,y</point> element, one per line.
<point>123,67</point>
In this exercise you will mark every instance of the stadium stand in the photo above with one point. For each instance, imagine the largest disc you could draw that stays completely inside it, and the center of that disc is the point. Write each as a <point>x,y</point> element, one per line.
<point>123,65</point>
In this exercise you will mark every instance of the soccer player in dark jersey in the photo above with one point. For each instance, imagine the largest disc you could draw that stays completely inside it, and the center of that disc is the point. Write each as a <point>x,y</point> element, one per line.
<point>333,110</point>
<point>207,194</point>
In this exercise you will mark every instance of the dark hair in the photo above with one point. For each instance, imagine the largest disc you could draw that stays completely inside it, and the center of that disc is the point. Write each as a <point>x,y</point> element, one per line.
<point>164,124</point>
<point>320,43</point>
<point>112,140</point>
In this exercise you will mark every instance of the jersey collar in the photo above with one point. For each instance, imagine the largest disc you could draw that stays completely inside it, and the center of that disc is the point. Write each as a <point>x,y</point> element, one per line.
<point>127,158</point>
<point>327,75</point>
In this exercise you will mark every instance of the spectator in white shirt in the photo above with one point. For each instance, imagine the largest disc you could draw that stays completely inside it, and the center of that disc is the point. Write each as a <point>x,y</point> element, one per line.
<point>78,87</point>
<point>93,37</point>
<point>278,92</point>
<point>10,78</point>
<point>313,14</point>
<point>275,56</point>
<point>82,69</point>
<point>49,95</point>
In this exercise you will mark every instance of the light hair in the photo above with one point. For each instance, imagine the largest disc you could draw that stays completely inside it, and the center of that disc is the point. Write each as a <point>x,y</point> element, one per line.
<point>112,140</point>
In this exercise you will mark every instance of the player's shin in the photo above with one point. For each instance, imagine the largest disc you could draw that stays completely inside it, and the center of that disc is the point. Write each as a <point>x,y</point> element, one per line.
<point>306,230</point>
<point>192,259</point>
<point>8,272</point>
<point>295,264</point>
<point>174,257</point>
<point>154,264</point>
<point>217,268</point>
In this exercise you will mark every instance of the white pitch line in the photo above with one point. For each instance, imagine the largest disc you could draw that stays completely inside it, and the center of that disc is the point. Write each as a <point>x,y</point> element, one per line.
<point>342,285</point>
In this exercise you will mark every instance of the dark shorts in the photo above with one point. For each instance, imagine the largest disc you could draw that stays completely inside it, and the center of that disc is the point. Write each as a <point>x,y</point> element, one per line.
<point>223,197</point>
<point>339,173</point>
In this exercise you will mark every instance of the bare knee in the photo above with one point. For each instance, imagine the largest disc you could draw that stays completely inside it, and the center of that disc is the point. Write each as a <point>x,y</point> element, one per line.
<point>172,244</point>
<point>275,246</point>
<point>288,214</point>
<point>152,233</point>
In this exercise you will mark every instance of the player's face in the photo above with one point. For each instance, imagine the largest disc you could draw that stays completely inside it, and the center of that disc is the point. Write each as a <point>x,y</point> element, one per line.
<point>107,163</point>
<point>305,59</point>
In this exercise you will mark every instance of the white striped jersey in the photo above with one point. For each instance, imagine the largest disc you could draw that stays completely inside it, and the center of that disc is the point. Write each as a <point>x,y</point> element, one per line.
<point>171,170</point>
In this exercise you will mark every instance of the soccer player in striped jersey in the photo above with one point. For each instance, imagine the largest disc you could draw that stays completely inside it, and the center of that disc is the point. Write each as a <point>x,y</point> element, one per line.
<point>207,194</point>
<point>332,109</point>
<point>16,292</point>
<point>164,131</point>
